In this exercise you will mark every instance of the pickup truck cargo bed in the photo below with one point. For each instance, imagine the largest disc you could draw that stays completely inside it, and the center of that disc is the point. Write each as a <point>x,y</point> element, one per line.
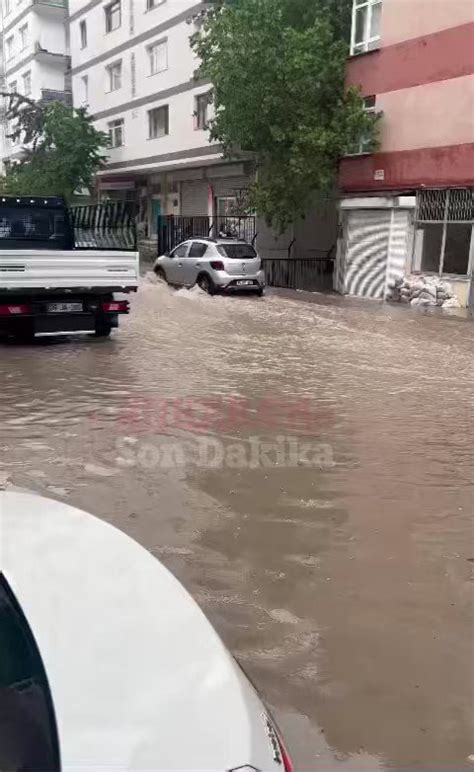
<point>29,270</point>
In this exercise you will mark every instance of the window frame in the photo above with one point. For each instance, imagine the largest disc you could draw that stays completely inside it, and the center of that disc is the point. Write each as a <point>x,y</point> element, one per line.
<point>23,34</point>
<point>112,127</point>
<point>9,52</point>
<point>361,149</point>
<point>27,75</point>
<point>420,220</point>
<point>149,49</point>
<point>85,88</point>
<point>369,42</point>
<point>7,7</point>
<point>83,33</point>
<point>109,69</point>
<point>152,4</point>
<point>109,16</point>
<point>167,122</point>
<point>197,101</point>
<point>13,87</point>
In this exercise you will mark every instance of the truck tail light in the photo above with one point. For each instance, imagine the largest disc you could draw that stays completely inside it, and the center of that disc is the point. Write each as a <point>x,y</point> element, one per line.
<point>15,309</point>
<point>116,307</point>
<point>217,265</point>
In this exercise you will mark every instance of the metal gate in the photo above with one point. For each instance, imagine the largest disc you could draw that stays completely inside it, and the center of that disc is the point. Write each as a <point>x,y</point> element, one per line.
<point>173,229</point>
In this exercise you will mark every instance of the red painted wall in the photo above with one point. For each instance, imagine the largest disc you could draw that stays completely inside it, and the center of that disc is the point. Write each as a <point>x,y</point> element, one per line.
<point>411,64</point>
<point>443,55</point>
<point>451,166</point>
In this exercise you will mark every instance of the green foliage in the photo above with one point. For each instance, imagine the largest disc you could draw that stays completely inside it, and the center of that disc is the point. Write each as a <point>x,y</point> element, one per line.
<point>278,71</point>
<point>62,150</point>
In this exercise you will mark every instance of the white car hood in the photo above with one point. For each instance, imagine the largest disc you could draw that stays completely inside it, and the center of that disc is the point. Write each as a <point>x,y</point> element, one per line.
<point>139,678</point>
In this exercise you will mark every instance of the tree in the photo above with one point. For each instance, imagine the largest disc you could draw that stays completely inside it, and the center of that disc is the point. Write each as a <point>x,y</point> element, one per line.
<point>278,74</point>
<point>62,150</point>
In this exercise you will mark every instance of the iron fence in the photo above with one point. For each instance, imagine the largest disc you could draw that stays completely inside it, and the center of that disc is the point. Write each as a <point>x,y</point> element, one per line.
<point>110,225</point>
<point>174,229</point>
<point>310,274</point>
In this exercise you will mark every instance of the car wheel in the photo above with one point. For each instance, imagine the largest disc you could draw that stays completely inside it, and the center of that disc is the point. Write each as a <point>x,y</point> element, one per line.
<point>260,292</point>
<point>159,273</point>
<point>206,284</point>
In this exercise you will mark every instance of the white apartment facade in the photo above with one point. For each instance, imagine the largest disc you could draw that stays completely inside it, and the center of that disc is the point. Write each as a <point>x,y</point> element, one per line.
<point>35,56</point>
<point>132,65</point>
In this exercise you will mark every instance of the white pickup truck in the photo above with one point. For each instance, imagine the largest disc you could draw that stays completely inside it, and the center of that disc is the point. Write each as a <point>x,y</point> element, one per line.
<point>55,277</point>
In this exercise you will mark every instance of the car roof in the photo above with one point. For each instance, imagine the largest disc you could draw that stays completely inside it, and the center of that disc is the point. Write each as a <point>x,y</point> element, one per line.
<point>137,674</point>
<point>211,240</point>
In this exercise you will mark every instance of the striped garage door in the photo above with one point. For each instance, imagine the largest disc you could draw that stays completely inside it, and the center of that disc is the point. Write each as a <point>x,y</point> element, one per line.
<point>367,240</point>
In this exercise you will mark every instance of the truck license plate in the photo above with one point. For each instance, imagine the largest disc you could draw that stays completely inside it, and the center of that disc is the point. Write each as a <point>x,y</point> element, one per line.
<point>244,282</point>
<point>64,308</point>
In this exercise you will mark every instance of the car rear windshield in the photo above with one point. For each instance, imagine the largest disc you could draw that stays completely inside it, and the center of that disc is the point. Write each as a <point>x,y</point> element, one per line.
<point>237,251</point>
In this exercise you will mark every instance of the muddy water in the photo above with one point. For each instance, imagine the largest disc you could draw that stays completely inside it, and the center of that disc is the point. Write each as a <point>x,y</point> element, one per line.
<point>343,583</point>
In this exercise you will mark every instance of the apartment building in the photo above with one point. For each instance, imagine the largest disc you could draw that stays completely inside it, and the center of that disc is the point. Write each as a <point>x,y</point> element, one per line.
<point>35,55</point>
<point>408,208</point>
<point>133,67</point>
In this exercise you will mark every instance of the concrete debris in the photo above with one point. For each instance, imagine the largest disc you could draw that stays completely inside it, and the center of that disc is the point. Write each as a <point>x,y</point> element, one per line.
<point>423,291</point>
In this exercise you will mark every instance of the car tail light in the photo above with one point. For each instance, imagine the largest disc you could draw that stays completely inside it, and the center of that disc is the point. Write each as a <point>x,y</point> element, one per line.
<point>217,265</point>
<point>16,309</point>
<point>115,307</point>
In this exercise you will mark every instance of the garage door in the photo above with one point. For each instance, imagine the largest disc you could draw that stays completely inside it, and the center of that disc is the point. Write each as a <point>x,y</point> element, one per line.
<point>366,248</point>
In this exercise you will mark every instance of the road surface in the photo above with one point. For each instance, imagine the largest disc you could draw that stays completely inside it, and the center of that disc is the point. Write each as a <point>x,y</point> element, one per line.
<point>305,469</point>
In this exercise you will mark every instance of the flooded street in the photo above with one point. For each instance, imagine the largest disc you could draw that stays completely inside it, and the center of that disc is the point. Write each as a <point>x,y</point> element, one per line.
<point>306,470</point>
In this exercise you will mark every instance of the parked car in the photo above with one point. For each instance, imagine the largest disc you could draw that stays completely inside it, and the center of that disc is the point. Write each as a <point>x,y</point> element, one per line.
<point>106,662</point>
<point>216,265</point>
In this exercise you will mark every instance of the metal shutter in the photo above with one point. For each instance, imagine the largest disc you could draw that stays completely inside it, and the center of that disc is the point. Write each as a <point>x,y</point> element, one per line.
<point>367,240</point>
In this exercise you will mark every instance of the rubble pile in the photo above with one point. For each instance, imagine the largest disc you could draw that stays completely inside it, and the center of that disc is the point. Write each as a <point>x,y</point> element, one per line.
<point>423,291</point>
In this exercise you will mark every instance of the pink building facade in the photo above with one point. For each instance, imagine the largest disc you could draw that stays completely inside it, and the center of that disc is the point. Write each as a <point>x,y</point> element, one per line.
<point>408,208</point>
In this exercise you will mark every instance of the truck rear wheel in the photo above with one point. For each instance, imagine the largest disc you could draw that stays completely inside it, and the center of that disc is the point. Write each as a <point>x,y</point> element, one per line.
<point>102,330</point>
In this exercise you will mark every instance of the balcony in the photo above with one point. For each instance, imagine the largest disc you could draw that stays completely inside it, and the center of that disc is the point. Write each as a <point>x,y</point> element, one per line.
<point>51,57</point>
<point>49,95</point>
<point>54,8</point>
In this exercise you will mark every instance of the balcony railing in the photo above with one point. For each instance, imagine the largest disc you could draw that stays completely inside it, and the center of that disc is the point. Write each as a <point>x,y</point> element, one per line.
<point>49,95</point>
<point>50,4</point>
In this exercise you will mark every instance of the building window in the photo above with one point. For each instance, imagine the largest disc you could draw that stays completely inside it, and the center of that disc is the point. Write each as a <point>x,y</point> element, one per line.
<point>113,16</point>
<point>158,122</point>
<point>27,83</point>
<point>158,56</point>
<point>133,75</point>
<point>9,48</point>
<point>444,235</point>
<point>366,18</point>
<point>116,132</point>
<point>7,6</point>
<point>85,89</point>
<point>13,87</point>
<point>150,4</point>
<point>201,102</point>
<point>114,76</point>
<point>23,32</point>
<point>364,145</point>
<point>83,33</point>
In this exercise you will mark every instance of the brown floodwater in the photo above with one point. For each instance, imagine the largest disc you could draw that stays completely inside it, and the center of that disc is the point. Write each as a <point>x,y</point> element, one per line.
<point>306,470</point>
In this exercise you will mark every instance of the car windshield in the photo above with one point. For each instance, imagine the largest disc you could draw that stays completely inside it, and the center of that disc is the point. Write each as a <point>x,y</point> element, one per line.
<point>28,735</point>
<point>237,251</point>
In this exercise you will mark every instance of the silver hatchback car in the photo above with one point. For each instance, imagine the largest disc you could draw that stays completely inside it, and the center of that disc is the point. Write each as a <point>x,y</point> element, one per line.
<point>216,265</point>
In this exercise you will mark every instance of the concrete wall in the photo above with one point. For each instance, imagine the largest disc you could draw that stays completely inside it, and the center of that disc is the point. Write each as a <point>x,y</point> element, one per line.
<point>406,19</point>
